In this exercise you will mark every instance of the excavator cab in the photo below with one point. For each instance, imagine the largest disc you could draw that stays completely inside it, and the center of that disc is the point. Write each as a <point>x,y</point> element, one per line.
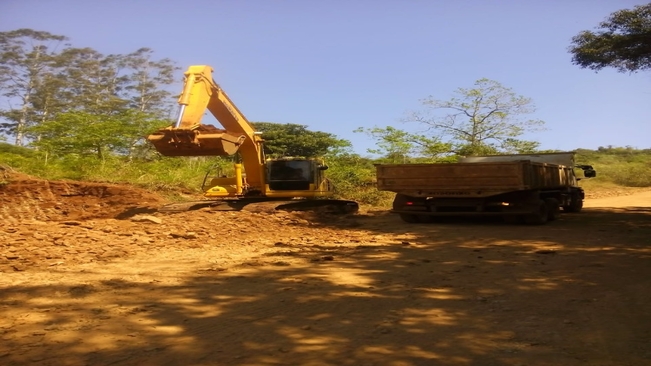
<point>293,174</point>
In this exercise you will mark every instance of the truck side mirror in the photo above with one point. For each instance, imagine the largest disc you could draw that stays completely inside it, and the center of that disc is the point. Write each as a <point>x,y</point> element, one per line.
<point>589,173</point>
<point>322,167</point>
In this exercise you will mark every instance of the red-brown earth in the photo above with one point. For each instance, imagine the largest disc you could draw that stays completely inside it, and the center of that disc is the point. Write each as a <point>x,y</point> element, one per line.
<point>92,274</point>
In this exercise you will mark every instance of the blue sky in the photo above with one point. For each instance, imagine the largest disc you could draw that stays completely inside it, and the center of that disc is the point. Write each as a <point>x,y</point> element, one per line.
<point>337,65</point>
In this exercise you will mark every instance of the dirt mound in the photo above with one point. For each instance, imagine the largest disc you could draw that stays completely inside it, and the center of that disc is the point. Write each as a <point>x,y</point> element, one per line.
<point>23,197</point>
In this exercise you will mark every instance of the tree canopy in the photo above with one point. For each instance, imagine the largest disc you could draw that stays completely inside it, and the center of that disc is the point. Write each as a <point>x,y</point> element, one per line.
<point>296,140</point>
<point>64,99</point>
<point>487,118</point>
<point>26,55</point>
<point>622,41</point>
<point>400,147</point>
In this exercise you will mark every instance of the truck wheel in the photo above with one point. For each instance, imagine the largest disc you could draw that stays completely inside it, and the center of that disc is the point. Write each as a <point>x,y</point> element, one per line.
<point>553,209</point>
<point>540,216</point>
<point>412,219</point>
<point>575,206</point>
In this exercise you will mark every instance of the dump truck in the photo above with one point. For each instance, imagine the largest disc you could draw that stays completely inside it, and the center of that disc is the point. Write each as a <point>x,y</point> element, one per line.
<point>528,188</point>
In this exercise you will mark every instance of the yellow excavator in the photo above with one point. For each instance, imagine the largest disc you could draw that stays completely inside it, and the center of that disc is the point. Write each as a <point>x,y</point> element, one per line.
<point>300,183</point>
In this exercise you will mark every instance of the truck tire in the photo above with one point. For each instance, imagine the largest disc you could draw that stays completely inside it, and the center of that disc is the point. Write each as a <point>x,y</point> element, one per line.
<point>553,209</point>
<point>539,216</point>
<point>575,206</point>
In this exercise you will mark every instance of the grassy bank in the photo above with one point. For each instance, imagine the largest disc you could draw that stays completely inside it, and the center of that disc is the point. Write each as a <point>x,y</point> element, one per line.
<point>617,168</point>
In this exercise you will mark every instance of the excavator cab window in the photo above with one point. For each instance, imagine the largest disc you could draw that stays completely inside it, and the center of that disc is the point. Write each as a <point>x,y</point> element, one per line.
<point>289,175</point>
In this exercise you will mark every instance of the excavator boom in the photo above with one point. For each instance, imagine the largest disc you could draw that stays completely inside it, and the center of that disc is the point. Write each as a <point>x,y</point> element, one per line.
<point>188,137</point>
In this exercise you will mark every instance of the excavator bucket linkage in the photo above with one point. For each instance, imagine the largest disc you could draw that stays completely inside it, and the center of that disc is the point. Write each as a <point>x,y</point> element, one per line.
<point>200,140</point>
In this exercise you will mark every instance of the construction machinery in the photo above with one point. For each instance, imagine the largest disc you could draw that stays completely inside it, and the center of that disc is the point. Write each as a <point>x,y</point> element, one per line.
<point>297,182</point>
<point>530,188</point>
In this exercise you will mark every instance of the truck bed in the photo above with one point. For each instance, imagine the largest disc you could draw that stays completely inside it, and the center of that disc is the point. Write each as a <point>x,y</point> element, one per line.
<point>480,179</point>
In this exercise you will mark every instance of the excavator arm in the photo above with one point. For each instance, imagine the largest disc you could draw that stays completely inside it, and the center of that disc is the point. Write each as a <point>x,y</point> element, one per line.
<point>188,137</point>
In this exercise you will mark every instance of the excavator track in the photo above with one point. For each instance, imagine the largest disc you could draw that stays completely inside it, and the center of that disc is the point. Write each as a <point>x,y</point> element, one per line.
<point>325,205</point>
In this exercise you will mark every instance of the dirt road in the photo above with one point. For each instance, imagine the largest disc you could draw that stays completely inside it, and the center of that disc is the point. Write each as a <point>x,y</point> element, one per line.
<point>90,274</point>
<point>639,199</point>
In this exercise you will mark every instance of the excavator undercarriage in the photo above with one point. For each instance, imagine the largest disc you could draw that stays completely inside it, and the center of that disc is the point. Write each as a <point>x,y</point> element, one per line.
<point>328,206</point>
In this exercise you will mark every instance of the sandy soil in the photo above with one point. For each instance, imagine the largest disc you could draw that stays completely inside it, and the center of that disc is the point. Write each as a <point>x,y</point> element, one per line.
<point>91,274</point>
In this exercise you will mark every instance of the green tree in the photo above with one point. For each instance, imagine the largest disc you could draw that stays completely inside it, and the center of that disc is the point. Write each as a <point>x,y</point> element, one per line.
<point>48,99</point>
<point>90,134</point>
<point>65,99</point>
<point>398,146</point>
<point>487,118</point>
<point>354,178</point>
<point>296,140</point>
<point>622,41</point>
<point>26,57</point>
<point>146,93</point>
<point>147,80</point>
<point>95,81</point>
